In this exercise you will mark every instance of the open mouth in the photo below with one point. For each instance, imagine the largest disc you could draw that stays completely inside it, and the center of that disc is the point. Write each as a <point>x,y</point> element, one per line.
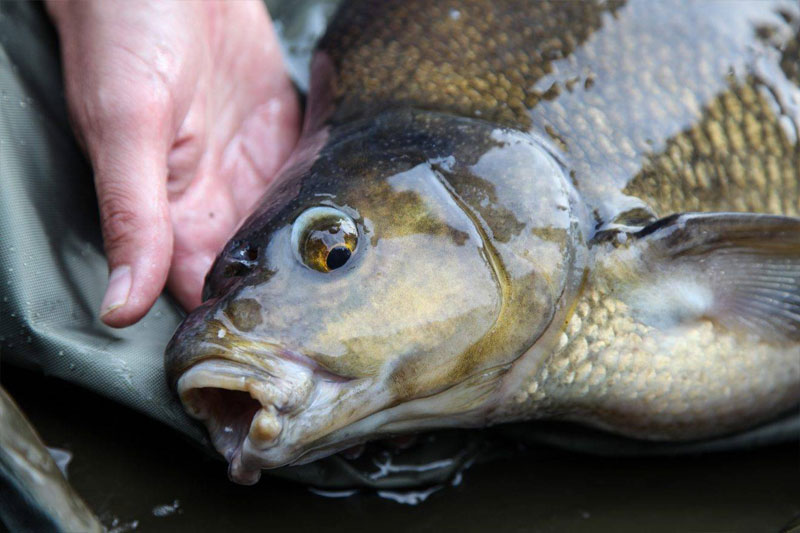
<point>285,411</point>
<point>243,408</point>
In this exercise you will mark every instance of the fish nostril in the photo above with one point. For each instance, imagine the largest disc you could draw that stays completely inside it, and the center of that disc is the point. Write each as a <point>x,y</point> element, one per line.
<point>241,259</point>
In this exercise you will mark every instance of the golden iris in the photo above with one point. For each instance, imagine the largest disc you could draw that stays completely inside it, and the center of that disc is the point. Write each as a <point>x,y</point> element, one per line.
<point>324,238</point>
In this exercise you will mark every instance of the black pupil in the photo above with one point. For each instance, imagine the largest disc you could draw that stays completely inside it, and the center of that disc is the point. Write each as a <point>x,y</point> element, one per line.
<point>337,257</point>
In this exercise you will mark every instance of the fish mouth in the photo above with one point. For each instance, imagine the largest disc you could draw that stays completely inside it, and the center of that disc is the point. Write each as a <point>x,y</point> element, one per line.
<point>245,409</point>
<point>276,407</point>
<point>283,412</point>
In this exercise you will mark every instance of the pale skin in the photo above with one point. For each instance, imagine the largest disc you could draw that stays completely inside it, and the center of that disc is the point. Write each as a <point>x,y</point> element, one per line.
<point>186,114</point>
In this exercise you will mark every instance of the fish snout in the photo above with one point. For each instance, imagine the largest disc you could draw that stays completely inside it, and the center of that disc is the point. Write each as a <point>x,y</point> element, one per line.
<point>193,341</point>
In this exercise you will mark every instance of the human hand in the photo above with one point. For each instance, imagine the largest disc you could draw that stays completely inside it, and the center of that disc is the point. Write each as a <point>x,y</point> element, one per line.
<point>186,113</point>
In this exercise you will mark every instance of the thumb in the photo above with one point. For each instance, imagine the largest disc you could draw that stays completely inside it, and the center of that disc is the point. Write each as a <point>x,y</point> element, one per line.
<point>129,158</point>
<point>123,107</point>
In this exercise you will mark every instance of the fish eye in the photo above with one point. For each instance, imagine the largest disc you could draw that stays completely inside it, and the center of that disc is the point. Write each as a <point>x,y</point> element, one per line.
<point>324,238</point>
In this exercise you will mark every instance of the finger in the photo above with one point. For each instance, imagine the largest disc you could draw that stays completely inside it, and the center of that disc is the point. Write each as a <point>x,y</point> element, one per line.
<point>187,276</point>
<point>203,218</point>
<point>130,72</point>
<point>128,148</point>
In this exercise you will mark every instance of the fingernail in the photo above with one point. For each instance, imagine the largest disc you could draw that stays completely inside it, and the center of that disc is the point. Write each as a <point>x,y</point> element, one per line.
<point>119,288</point>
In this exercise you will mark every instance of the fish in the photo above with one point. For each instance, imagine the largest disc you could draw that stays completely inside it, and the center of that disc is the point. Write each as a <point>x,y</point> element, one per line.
<point>515,211</point>
<point>35,494</point>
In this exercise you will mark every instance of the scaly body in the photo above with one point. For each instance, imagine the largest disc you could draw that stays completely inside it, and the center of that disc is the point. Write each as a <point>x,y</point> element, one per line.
<point>477,228</point>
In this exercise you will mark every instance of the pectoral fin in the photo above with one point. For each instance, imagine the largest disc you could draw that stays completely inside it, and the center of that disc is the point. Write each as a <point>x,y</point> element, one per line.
<point>741,270</point>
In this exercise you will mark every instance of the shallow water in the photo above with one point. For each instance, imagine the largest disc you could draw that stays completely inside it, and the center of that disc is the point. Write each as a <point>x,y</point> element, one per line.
<point>137,474</point>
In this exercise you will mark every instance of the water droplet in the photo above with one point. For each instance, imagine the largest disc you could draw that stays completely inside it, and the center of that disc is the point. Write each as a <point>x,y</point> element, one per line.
<point>167,509</point>
<point>118,526</point>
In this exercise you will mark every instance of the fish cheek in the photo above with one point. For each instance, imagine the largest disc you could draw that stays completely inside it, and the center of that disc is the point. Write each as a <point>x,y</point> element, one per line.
<point>454,357</point>
<point>457,303</point>
<point>408,312</point>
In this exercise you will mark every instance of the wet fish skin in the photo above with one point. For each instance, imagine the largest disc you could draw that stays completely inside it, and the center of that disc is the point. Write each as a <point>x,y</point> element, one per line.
<point>628,90</point>
<point>424,252</point>
<point>658,353</point>
<point>512,168</point>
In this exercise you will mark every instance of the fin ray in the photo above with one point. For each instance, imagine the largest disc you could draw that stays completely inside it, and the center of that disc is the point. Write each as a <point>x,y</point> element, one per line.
<point>750,263</point>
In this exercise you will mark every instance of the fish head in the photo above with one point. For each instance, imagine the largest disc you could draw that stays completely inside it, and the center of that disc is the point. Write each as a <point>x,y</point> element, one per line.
<point>368,297</point>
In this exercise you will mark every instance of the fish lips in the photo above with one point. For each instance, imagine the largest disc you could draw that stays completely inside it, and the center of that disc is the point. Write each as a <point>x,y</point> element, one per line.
<point>243,390</point>
<point>264,405</point>
<point>245,409</point>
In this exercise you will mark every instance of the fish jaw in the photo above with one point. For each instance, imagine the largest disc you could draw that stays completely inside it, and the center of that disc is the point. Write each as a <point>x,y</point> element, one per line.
<point>260,419</point>
<point>292,413</point>
<point>244,407</point>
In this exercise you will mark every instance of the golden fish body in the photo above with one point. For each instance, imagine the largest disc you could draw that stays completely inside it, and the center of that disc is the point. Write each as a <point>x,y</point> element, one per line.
<point>516,210</point>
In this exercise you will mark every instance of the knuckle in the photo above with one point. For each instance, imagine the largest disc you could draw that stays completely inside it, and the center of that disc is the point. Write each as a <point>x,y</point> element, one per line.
<point>119,219</point>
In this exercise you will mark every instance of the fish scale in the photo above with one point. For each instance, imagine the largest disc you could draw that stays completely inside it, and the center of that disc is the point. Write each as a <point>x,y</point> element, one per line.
<point>737,146</point>
<point>574,211</point>
<point>616,97</point>
<point>610,371</point>
<point>465,66</point>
